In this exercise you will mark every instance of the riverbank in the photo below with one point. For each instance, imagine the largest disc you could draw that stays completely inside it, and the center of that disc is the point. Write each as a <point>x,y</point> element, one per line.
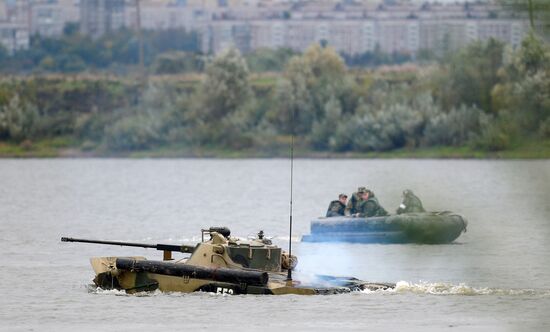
<point>63,147</point>
<point>408,111</point>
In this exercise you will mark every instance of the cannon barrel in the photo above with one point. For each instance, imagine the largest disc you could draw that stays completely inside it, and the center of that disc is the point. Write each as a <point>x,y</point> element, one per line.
<point>162,247</point>
<point>234,276</point>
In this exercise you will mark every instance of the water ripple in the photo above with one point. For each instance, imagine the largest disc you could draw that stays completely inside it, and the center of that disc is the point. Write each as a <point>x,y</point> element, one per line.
<point>441,288</point>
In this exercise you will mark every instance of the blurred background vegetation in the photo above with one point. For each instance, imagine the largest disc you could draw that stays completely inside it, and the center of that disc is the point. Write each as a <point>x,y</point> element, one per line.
<point>78,95</point>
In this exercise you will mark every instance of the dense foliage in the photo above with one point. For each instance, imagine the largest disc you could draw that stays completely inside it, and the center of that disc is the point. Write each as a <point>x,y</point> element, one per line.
<point>485,96</point>
<point>170,51</point>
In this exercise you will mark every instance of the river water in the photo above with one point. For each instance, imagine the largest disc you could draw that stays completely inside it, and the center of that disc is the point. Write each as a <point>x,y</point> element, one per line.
<point>494,277</point>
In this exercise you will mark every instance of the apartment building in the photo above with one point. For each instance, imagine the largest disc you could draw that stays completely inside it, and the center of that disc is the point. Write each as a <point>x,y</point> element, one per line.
<point>14,36</point>
<point>98,17</point>
<point>49,17</point>
<point>155,16</point>
<point>14,32</point>
<point>350,27</point>
<point>355,29</point>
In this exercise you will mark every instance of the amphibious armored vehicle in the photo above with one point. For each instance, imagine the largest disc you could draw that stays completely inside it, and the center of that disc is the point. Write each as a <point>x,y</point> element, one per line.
<point>421,227</point>
<point>220,264</point>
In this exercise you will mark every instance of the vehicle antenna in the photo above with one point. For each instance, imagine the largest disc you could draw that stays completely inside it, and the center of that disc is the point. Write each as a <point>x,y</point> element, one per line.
<point>289,275</point>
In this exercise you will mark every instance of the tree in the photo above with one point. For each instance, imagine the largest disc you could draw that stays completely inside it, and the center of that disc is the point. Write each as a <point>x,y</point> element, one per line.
<point>18,120</point>
<point>538,11</point>
<point>524,87</point>
<point>308,83</point>
<point>222,105</point>
<point>177,62</point>
<point>225,87</point>
<point>534,55</point>
<point>4,55</point>
<point>323,129</point>
<point>146,124</point>
<point>470,75</point>
<point>264,59</point>
<point>71,29</point>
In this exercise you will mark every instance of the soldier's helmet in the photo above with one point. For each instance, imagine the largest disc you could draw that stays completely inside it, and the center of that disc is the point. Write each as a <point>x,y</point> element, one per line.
<point>361,190</point>
<point>407,192</point>
<point>342,196</point>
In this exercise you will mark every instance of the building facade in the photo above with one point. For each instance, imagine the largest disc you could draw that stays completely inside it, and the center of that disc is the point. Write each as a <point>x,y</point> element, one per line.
<point>14,30</point>
<point>407,36</point>
<point>98,17</point>
<point>49,17</point>
<point>350,27</point>
<point>14,37</point>
<point>358,28</point>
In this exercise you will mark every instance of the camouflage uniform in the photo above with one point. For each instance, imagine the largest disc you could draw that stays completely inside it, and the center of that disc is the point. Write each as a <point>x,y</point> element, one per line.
<point>371,207</point>
<point>335,209</point>
<point>411,203</point>
<point>354,201</point>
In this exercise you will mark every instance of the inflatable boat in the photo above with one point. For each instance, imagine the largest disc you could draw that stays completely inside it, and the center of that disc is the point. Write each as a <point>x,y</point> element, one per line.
<point>424,227</point>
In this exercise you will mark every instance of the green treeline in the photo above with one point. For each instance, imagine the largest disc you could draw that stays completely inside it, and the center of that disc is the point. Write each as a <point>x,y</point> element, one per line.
<point>117,52</point>
<point>486,96</point>
<point>170,51</point>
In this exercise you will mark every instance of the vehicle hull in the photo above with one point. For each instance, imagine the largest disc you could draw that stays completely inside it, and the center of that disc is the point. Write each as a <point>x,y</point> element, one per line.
<point>136,274</point>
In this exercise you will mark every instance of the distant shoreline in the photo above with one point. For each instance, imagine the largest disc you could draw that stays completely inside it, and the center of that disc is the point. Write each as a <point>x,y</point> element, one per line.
<point>46,149</point>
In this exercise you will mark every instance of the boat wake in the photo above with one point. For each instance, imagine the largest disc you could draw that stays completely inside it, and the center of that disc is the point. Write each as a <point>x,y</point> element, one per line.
<point>440,288</point>
<point>401,287</point>
<point>93,289</point>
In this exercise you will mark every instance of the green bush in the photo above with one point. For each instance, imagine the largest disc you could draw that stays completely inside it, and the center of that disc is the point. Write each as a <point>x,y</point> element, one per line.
<point>177,63</point>
<point>323,129</point>
<point>497,133</point>
<point>470,74</point>
<point>90,126</point>
<point>454,128</point>
<point>18,120</point>
<point>493,138</point>
<point>136,132</point>
<point>392,127</point>
<point>544,129</point>
<point>152,121</point>
<point>265,59</point>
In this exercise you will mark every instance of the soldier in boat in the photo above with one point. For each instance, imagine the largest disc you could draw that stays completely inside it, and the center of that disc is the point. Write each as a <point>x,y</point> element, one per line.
<point>336,208</point>
<point>353,203</point>
<point>411,203</point>
<point>369,206</point>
